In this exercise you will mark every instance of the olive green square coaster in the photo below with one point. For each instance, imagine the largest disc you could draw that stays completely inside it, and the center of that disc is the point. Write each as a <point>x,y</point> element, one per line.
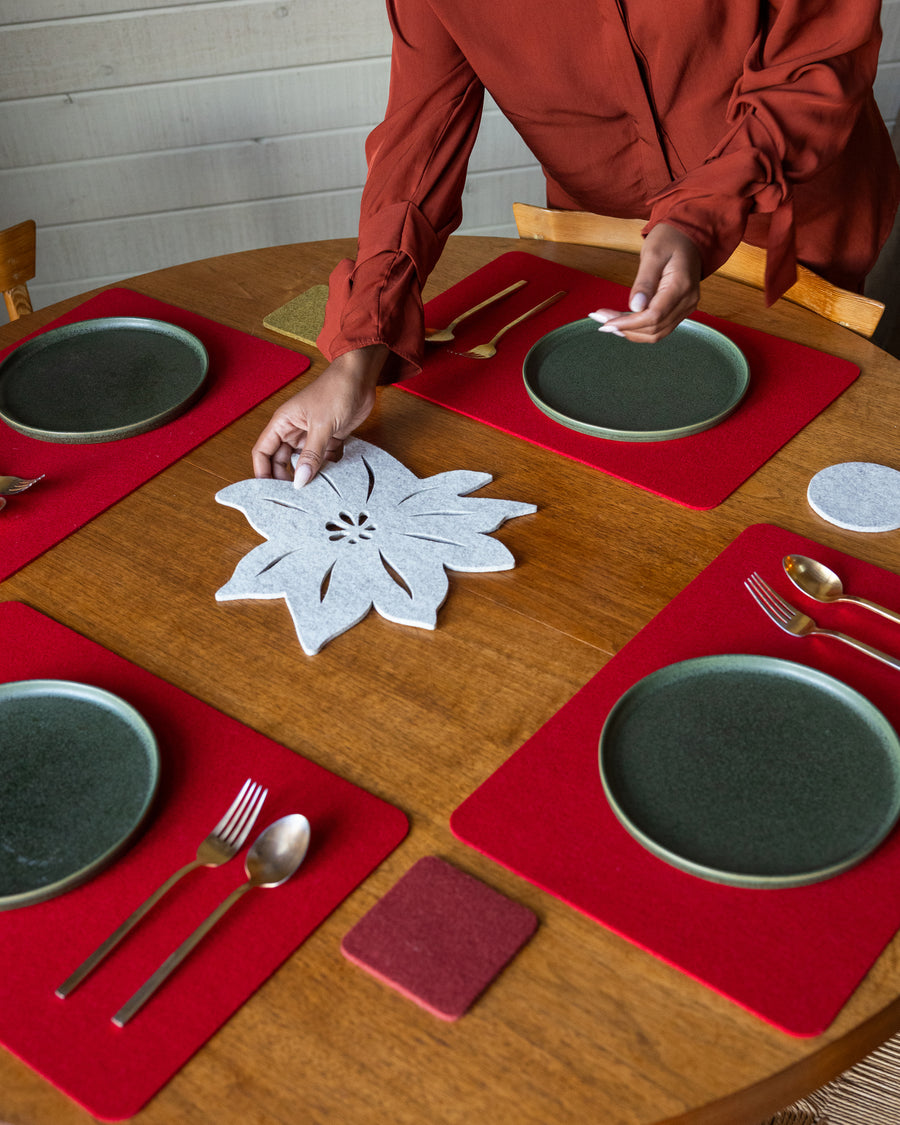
<point>302,317</point>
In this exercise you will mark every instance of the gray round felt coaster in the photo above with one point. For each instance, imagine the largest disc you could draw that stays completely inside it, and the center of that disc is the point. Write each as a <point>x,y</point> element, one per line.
<point>857,495</point>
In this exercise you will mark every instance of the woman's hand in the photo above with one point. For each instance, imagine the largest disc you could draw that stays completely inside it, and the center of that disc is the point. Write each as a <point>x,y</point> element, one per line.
<point>317,419</point>
<point>665,291</point>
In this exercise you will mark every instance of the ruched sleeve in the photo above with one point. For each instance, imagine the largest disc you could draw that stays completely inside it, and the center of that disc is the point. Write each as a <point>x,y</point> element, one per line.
<point>805,81</point>
<point>417,160</point>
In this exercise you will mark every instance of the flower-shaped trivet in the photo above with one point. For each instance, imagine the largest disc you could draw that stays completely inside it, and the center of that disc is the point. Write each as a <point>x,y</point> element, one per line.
<point>365,532</point>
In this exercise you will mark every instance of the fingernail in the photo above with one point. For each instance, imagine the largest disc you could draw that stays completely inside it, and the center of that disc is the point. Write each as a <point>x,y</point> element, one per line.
<point>612,330</point>
<point>302,475</point>
<point>600,317</point>
<point>638,302</point>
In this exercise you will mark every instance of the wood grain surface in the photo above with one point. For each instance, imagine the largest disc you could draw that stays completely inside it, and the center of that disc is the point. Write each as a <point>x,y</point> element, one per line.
<point>582,1026</point>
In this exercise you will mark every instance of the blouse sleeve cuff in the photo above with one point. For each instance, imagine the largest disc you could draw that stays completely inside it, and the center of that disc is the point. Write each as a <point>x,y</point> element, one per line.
<point>376,301</point>
<point>711,206</point>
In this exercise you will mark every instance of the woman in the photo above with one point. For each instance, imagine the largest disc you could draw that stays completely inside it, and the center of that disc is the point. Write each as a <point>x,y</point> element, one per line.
<point>716,120</point>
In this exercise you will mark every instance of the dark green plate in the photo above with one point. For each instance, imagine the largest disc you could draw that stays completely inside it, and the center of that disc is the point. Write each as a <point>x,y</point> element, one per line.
<point>602,385</point>
<point>101,380</point>
<point>79,769</point>
<point>751,771</point>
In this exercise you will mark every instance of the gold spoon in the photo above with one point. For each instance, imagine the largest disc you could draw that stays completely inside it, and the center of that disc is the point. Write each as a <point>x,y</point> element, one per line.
<point>441,335</point>
<point>275,856</point>
<point>817,581</point>
<point>486,351</point>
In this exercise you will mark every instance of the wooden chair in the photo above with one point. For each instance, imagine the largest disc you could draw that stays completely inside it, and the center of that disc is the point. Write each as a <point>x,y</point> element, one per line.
<point>17,266</point>
<point>747,264</point>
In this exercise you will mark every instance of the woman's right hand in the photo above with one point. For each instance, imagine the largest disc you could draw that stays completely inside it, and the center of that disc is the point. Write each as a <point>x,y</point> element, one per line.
<point>315,421</point>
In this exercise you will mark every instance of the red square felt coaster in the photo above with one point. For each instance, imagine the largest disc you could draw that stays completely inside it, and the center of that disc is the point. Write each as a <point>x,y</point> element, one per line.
<point>439,936</point>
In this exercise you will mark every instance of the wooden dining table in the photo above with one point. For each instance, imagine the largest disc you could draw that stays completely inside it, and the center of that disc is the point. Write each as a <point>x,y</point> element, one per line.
<point>582,1026</point>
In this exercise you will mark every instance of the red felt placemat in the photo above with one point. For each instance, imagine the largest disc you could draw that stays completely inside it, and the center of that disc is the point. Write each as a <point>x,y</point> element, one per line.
<point>789,384</point>
<point>205,756</point>
<point>80,481</point>
<point>791,956</point>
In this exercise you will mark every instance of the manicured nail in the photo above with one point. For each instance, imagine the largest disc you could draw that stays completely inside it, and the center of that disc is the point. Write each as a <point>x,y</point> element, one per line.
<point>302,475</point>
<point>638,302</point>
<point>612,330</point>
<point>600,317</point>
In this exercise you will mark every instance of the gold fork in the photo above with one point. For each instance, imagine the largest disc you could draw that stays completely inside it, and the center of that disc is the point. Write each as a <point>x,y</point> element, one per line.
<point>485,351</point>
<point>790,619</point>
<point>221,845</point>
<point>9,486</point>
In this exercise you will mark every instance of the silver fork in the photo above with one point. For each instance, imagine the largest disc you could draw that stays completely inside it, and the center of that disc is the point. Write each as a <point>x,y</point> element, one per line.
<point>9,486</point>
<point>221,845</point>
<point>790,619</point>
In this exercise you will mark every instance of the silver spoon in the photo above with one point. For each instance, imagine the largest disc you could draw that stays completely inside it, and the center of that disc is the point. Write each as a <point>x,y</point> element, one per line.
<point>817,581</point>
<point>274,857</point>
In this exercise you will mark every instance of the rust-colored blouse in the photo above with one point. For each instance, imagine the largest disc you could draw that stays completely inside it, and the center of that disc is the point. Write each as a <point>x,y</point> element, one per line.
<point>694,113</point>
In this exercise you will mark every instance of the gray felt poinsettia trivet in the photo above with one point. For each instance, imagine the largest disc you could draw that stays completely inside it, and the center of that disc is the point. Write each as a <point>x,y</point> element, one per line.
<point>364,533</point>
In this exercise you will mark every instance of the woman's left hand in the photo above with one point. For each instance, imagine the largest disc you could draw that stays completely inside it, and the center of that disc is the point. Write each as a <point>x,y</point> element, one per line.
<point>665,290</point>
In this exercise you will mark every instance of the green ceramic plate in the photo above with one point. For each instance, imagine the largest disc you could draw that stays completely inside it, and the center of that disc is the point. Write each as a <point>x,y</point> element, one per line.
<point>79,769</point>
<point>602,385</point>
<point>751,771</point>
<point>101,380</point>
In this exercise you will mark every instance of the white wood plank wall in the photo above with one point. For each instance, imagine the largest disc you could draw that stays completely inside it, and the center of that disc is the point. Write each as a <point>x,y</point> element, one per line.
<point>140,133</point>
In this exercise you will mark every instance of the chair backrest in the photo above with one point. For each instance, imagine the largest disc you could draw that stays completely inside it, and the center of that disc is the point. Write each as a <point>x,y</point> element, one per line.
<point>17,265</point>
<point>747,264</point>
